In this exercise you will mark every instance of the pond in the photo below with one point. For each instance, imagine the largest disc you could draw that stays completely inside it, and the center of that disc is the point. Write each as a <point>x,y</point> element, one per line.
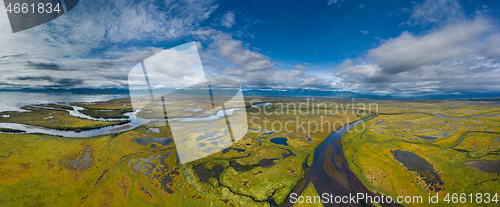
<point>486,165</point>
<point>264,163</point>
<point>162,141</point>
<point>427,137</point>
<point>204,174</point>
<point>279,140</point>
<point>224,151</point>
<point>467,117</point>
<point>415,163</point>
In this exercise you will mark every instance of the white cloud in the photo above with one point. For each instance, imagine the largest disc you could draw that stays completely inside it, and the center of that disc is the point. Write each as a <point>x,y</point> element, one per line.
<point>302,67</point>
<point>228,57</point>
<point>233,51</point>
<point>491,47</point>
<point>436,11</point>
<point>346,63</point>
<point>228,20</point>
<point>461,57</point>
<point>365,32</point>
<point>335,2</point>
<point>361,6</point>
<point>408,51</point>
<point>92,41</point>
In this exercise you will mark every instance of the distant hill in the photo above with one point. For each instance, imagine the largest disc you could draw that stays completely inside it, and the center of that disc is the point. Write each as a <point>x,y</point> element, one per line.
<point>476,96</point>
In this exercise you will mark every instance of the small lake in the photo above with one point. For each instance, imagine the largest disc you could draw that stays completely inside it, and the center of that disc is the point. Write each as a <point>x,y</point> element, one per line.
<point>466,117</point>
<point>264,163</point>
<point>224,151</point>
<point>427,137</point>
<point>279,140</point>
<point>415,163</point>
<point>162,141</point>
<point>204,174</point>
<point>486,165</point>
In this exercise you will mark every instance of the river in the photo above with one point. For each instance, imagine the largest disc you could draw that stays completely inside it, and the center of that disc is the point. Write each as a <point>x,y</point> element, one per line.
<point>330,171</point>
<point>134,122</point>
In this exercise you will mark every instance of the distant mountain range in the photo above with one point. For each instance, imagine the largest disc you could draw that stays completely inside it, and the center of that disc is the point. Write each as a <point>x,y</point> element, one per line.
<point>490,96</point>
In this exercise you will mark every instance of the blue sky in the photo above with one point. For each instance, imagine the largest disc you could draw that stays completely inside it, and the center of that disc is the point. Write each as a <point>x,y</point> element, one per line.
<point>313,32</point>
<point>403,48</point>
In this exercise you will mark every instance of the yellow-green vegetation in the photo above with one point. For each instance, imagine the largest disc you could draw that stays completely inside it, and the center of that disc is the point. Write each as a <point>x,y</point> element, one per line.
<point>417,154</point>
<point>176,106</point>
<point>42,170</point>
<point>480,144</point>
<point>309,194</point>
<point>443,107</point>
<point>140,167</point>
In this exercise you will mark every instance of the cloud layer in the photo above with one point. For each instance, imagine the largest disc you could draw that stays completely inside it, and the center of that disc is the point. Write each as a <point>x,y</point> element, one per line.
<point>96,41</point>
<point>230,58</point>
<point>461,57</point>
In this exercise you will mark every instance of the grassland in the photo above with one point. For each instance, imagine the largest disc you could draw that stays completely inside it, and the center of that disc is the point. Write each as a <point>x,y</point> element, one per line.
<point>444,143</point>
<point>309,194</point>
<point>140,167</point>
<point>119,170</point>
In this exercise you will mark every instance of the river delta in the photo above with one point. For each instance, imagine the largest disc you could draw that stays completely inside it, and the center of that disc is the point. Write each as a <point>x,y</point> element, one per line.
<point>105,154</point>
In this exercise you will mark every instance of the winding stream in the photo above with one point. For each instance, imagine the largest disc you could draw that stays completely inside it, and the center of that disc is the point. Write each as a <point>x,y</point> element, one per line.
<point>134,122</point>
<point>466,117</point>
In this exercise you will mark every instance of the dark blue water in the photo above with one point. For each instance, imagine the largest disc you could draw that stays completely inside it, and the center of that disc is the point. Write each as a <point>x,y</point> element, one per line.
<point>427,137</point>
<point>224,151</point>
<point>467,117</point>
<point>162,141</point>
<point>279,140</point>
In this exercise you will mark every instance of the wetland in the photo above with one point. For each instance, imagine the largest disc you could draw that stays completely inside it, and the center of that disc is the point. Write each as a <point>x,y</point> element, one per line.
<point>408,148</point>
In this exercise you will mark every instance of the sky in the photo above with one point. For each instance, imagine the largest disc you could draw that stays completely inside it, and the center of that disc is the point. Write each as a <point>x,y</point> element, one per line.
<point>398,47</point>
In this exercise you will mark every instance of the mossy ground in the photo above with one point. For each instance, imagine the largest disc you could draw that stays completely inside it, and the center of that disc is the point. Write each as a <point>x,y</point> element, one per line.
<point>370,158</point>
<point>35,170</point>
<point>123,172</point>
